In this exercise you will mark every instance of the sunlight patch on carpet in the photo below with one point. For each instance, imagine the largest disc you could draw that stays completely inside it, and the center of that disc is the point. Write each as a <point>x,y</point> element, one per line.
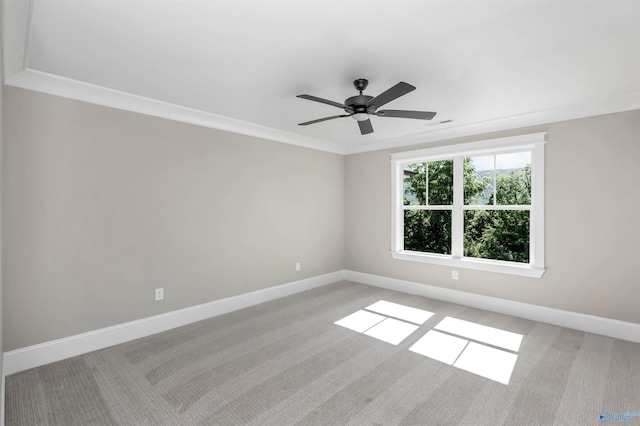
<point>360,321</point>
<point>472,347</point>
<point>391,331</point>
<point>481,333</point>
<point>396,310</point>
<point>492,363</point>
<point>387,327</point>
<point>439,346</point>
<point>479,349</point>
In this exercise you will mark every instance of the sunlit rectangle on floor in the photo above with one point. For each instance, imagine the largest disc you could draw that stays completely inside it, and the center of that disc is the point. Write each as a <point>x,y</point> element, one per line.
<point>439,346</point>
<point>360,321</point>
<point>488,362</point>
<point>391,331</point>
<point>396,310</point>
<point>482,333</point>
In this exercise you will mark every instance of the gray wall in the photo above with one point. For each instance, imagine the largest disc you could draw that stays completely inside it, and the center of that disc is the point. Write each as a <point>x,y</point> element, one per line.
<point>101,206</point>
<point>1,145</point>
<point>592,204</point>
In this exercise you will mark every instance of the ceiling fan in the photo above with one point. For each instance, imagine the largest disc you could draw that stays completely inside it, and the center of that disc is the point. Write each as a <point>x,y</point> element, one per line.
<point>362,106</point>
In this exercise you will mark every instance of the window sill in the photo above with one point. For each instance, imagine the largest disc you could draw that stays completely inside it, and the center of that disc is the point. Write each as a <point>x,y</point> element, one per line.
<point>469,263</point>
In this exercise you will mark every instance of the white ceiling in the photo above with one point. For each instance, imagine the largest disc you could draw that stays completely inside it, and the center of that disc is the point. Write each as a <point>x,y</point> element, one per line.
<point>238,65</point>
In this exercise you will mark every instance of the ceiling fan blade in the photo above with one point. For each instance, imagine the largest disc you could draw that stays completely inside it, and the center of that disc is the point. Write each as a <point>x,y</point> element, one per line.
<point>322,119</point>
<point>395,92</point>
<point>323,101</point>
<point>419,115</point>
<point>365,127</point>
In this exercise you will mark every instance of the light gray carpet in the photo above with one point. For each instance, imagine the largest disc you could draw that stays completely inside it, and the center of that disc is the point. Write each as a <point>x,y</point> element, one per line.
<point>286,363</point>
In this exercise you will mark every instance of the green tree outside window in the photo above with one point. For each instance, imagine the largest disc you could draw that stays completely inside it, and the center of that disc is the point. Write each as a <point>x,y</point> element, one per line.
<point>488,234</point>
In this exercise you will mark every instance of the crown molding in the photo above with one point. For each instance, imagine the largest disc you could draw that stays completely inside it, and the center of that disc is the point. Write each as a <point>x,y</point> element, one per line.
<point>73,89</point>
<point>65,87</point>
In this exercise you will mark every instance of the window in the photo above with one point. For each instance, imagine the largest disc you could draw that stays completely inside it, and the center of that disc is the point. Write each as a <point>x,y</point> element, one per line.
<point>478,205</point>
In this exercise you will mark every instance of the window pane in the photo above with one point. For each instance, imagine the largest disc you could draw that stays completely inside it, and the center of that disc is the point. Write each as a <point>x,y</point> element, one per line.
<point>427,231</point>
<point>441,183</point>
<point>513,160</point>
<point>415,184</point>
<point>513,178</point>
<point>497,234</point>
<point>478,180</point>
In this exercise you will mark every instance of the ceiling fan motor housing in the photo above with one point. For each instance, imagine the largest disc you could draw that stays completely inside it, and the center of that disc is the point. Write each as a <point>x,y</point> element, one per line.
<point>358,104</point>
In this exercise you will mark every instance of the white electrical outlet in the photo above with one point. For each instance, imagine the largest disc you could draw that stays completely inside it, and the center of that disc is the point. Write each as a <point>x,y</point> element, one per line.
<point>454,274</point>
<point>298,266</point>
<point>159,294</point>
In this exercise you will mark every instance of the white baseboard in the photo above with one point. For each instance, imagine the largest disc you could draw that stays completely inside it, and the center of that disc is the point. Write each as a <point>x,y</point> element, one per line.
<point>589,323</point>
<point>56,350</point>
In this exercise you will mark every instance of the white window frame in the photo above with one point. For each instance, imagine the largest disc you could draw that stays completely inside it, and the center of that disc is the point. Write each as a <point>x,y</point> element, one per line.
<point>531,142</point>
